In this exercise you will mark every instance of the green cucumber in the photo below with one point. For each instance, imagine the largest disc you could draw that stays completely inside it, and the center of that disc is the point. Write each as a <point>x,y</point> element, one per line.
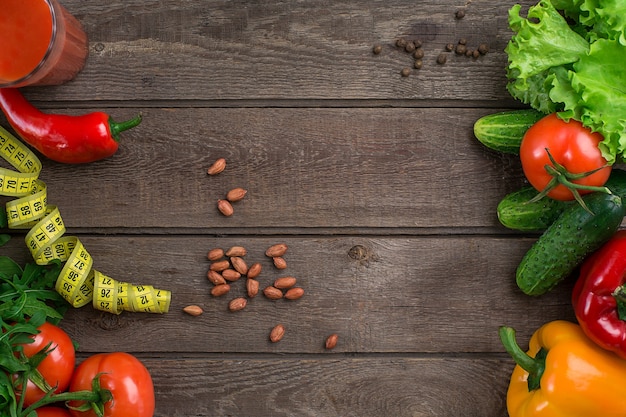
<point>617,183</point>
<point>504,131</point>
<point>516,212</point>
<point>564,245</point>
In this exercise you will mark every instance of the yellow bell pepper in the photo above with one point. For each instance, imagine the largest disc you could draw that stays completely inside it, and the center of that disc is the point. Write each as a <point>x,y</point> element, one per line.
<point>564,374</point>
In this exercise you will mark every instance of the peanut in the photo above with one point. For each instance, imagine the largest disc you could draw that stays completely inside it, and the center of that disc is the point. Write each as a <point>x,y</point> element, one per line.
<point>254,270</point>
<point>284,283</point>
<point>331,341</point>
<point>277,333</point>
<point>231,275</point>
<point>237,304</point>
<point>278,249</point>
<point>218,166</point>
<point>279,262</point>
<point>294,293</point>
<point>236,194</point>
<point>193,310</point>
<point>252,287</point>
<point>236,251</point>
<point>225,207</point>
<point>239,264</point>
<point>220,290</point>
<point>215,254</point>
<point>273,293</point>
<point>215,277</point>
<point>219,266</point>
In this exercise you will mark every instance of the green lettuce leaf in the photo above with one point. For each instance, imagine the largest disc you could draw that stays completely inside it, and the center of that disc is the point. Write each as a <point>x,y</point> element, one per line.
<point>603,19</point>
<point>544,40</point>
<point>596,95</point>
<point>568,56</point>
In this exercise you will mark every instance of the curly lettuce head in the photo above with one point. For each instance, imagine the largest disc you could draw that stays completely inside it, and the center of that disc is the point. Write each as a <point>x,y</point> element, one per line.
<point>572,62</point>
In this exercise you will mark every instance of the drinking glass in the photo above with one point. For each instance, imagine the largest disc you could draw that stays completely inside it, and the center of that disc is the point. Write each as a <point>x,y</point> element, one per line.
<point>41,43</point>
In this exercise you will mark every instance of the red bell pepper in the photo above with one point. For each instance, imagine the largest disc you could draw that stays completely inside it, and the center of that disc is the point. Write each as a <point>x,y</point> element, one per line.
<point>599,295</point>
<point>63,138</point>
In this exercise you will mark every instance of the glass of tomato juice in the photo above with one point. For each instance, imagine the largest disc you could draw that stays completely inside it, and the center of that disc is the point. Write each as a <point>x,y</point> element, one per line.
<point>41,43</point>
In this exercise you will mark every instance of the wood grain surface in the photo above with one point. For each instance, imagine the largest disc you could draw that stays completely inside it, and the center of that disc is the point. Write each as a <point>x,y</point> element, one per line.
<point>375,182</point>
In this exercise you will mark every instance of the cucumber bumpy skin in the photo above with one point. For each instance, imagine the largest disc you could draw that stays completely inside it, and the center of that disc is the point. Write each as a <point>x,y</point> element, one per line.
<point>504,131</point>
<point>563,246</point>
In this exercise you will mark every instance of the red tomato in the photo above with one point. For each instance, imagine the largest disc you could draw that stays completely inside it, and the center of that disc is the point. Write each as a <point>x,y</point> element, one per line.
<point>125,376</point>
<point>57,367</point>
<point>571,145</point>
<point>52,412</point>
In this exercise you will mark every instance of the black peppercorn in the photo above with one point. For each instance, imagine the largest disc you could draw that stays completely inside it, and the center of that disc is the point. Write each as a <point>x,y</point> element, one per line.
<point>449,47</point>
<point>483,48</point>
<point>409,47</point>
<point>475,53</point>
<point>460,49</point>
<point>441,59</point>
<point>405,72</point>
<point>418,43</point>
<point>459,14</point>
<point>401,43</point>
<point>377,49</point>
<point>418,54</point>
<point>418,64</point>
<point>462,41</point>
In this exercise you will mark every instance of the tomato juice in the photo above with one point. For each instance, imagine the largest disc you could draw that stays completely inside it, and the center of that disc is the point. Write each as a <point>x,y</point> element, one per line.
<point>42,43</point>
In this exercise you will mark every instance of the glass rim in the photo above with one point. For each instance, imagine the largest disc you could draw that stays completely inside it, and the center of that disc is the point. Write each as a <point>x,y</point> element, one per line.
<point>44,58</point>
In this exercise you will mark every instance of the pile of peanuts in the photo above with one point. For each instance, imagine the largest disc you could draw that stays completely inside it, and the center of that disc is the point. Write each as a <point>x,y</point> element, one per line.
<point>229,266</point>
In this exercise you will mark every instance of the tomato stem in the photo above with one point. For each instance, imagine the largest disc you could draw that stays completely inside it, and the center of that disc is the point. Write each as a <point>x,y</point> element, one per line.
<point>22,381</point>
<point>93,399</point>
<point>561,176</point>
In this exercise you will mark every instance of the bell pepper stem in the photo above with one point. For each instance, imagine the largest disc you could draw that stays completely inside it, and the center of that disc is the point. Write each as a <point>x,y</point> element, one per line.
<point>620,301</point>
<point>118,127</point>
<point>534,366</point>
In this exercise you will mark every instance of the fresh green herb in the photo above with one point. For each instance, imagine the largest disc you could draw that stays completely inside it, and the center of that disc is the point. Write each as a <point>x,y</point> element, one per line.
<point>29,294</point>
<point>567,56</point>
<point>27,299</point>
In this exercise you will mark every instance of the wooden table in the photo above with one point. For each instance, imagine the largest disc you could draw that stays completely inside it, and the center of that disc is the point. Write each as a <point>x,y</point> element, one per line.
<point>374,181</point>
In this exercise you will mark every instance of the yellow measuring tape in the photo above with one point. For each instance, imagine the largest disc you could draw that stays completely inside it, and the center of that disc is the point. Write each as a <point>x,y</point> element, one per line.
<point>78,283</point>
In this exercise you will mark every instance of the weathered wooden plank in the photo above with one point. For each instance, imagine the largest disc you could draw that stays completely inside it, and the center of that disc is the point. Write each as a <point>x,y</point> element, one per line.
<point>156,50</point>
<point>303,168</point>
<point>333,386</point>
<point>381,295</point>
<point>375,182</point>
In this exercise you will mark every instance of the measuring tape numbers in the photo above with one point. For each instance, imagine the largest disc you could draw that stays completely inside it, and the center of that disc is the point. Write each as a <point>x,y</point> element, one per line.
<point>78,283</point>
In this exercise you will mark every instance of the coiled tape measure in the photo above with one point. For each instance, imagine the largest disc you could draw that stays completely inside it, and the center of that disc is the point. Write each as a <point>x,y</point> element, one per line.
<point>78,283</point>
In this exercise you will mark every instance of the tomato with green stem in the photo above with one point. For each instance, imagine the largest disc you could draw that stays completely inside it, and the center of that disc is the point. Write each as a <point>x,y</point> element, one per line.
<point>54,371</point>
<point>124,376</point>
<point>562,160</point>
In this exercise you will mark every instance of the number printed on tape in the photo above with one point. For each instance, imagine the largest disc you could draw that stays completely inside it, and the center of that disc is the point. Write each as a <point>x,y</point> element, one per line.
<point>77,283</point>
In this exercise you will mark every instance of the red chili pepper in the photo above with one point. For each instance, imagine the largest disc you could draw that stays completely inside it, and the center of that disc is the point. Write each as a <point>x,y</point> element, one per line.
<point>63,138</point>
<point>599,295</point>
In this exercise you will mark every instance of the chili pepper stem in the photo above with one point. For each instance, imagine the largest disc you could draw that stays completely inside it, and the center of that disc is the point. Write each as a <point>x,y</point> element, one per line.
<point>118,127</point>
<point>534,366</point>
